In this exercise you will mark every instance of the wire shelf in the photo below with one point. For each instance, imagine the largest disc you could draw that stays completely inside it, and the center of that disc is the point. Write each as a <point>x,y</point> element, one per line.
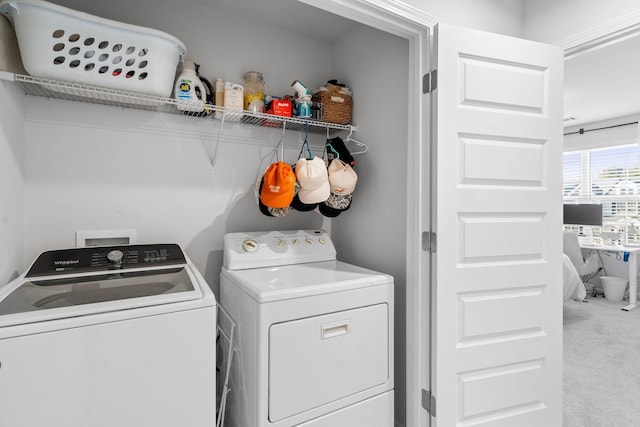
<point>72,91</point>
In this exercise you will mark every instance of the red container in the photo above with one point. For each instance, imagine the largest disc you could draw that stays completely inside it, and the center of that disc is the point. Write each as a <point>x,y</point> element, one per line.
<point>280,107</point>
<point>277,107</point>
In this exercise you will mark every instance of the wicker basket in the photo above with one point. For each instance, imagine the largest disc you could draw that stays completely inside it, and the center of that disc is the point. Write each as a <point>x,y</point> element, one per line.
<point>337,106</point>
<point>60,43</point>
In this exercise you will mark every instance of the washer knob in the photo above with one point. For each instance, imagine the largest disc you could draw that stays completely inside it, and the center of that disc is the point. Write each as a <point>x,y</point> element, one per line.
<point>115,256</point>
<point>250,245</point>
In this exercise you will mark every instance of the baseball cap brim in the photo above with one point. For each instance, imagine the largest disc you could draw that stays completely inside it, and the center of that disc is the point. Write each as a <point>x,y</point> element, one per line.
<point>339,201</point>
<point>302,207</point>
<point>328,211</point>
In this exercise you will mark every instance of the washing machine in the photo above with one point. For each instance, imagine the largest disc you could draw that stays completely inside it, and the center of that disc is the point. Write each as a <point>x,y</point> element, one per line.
<point>314,341</point>
<point>108,336</point>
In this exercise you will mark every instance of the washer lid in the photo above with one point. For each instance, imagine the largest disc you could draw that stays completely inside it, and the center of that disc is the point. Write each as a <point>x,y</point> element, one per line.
<point>38,299</point>
<point>301,280</point>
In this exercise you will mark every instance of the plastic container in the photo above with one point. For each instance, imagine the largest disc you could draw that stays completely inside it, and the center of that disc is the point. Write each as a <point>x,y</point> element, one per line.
<point>253,92</point>
<point>189,90</point>
<point>219,93</point>
<point>233,100</point>
<point>614,287</point>
<point>59,43</point>
<point>219,96</point>
<point>277,107</point>
<point>233,95</point>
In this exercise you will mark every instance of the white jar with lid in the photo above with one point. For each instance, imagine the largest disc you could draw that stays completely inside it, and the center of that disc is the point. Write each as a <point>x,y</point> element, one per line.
<point>253,92</point>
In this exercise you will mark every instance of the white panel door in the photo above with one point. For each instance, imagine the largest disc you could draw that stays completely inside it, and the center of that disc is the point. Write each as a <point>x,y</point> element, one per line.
<point>497,281</point>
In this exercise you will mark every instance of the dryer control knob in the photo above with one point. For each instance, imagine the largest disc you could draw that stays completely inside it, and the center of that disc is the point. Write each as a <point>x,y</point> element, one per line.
<point>250,245</point>
<point>115,256</point>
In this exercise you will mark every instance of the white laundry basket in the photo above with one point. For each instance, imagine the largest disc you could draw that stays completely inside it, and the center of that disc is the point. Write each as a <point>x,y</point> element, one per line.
<point>614,287</point>
<point>60,43</point>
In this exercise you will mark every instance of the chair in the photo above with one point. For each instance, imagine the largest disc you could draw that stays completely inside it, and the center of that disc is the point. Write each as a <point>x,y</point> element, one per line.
<point>571,247</point>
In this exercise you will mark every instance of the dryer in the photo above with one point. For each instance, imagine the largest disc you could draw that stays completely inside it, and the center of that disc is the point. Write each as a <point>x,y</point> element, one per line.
<point>315,335</point>
<point>108,336</point>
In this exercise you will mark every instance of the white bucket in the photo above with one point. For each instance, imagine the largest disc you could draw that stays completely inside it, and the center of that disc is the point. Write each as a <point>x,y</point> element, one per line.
<point>614,287</point>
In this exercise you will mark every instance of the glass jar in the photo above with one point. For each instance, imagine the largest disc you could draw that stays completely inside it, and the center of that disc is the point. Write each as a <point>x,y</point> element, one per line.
<point>253,92</point>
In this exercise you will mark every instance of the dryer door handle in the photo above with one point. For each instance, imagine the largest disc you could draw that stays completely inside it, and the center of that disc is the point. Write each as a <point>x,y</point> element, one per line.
<point>336,329</point>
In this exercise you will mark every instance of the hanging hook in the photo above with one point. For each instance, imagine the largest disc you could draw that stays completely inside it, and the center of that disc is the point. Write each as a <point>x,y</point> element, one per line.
<point>281,142</point>
<point>306,142</point>
<point>213,158</point>
<point>350,133</point>
<point>358,143</point>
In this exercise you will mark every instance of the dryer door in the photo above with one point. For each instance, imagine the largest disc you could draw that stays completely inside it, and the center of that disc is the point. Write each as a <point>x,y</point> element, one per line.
<point>318,360</point>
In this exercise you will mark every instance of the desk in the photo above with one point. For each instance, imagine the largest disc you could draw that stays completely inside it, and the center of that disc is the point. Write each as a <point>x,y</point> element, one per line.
<point>633,268</point>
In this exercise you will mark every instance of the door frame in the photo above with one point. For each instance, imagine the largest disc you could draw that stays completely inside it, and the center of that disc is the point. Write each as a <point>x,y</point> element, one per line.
<point>400,19</point>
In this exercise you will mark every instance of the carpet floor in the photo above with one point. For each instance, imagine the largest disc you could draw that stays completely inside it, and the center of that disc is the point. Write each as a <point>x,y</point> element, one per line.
<point>601,364</point>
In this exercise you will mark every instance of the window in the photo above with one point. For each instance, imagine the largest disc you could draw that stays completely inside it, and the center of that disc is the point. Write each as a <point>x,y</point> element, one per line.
<point>611,176</point>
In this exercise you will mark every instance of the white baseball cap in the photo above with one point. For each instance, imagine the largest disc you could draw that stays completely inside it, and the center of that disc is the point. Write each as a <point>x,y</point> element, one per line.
<point>313,180</point>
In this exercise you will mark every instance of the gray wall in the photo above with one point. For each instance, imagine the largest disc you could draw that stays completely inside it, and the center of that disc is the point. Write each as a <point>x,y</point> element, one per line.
<point>372,232</point>
<point>97,167</point>
<point>552,21</point>
<point>12,178</point>
<point>108,168</point>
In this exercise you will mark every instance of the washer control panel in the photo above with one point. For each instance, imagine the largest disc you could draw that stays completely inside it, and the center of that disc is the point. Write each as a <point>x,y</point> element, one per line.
<point>101,258</point>
<point>273,248</point>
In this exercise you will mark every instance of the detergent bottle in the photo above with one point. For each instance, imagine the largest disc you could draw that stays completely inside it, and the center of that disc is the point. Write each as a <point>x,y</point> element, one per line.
<point>189,90</point>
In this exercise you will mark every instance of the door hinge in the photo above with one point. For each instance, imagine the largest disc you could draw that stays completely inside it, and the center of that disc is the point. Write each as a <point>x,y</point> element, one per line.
<point>429,402</point>
<point>430,81</point>
<point>429,241</point>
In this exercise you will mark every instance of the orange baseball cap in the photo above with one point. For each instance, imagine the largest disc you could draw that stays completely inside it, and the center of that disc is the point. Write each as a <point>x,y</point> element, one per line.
<point>278,186</point>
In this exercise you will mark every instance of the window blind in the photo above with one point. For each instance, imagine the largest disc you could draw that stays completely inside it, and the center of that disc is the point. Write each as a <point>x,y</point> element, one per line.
<point>611,176</point>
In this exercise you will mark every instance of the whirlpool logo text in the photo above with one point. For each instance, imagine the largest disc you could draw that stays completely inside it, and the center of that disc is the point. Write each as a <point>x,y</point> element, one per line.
<point>66,262</point>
